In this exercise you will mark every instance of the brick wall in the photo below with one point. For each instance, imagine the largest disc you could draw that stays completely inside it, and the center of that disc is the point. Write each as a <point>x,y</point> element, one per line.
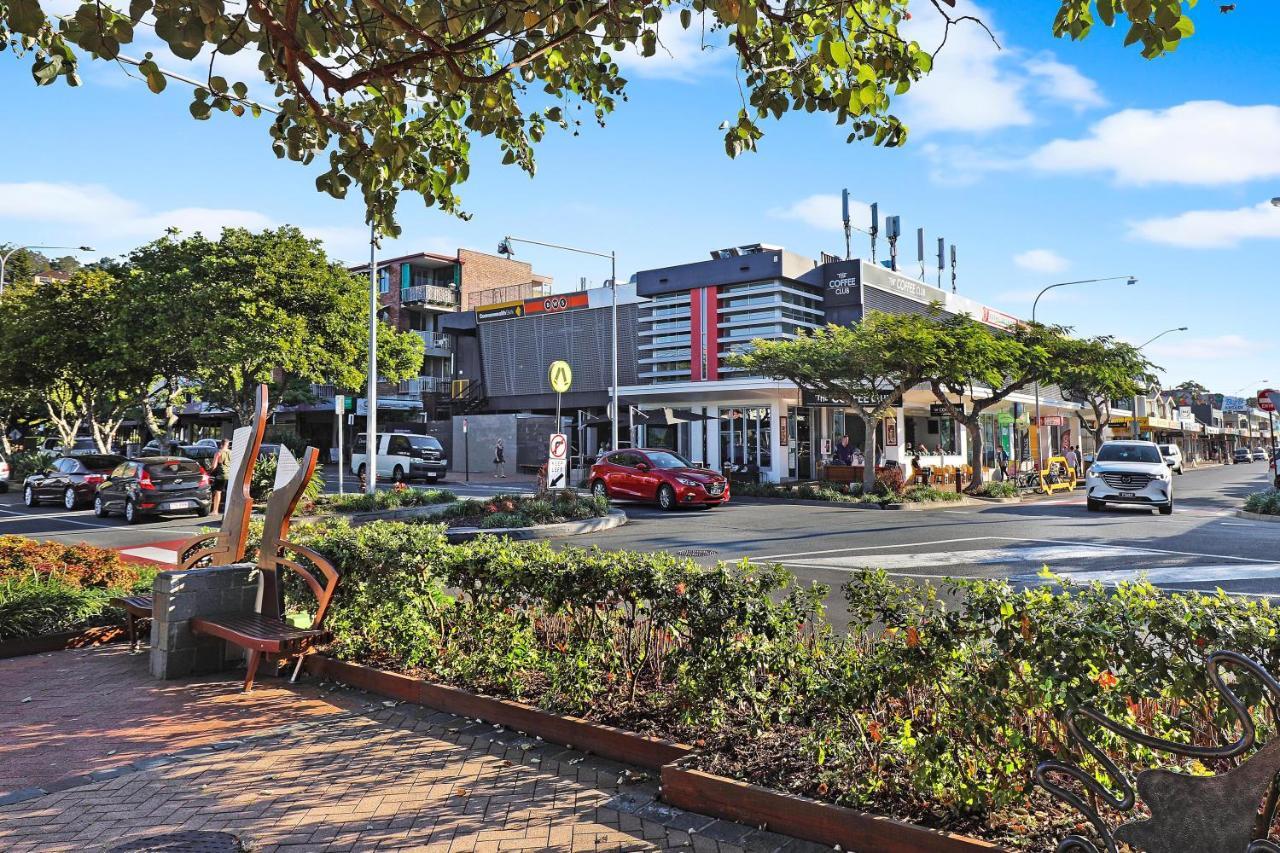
<point>481,272</point>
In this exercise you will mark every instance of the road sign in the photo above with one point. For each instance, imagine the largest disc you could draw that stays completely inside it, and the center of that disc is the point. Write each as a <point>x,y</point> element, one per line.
<point>561,376</point>
<point>339,405</point>
<point>558,461</point>
<point>1267,399</point>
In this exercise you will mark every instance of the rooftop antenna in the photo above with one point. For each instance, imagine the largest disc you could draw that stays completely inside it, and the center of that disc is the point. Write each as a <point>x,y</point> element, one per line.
<point>942,258</point>
<point>953,267</point>
<point>920,250</point>
<point>875,228</point>
<point>848,227</point>
<point>893,230</point>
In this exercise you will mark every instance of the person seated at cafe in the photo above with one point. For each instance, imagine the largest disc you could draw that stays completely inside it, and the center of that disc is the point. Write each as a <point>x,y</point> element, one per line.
<point>844,451</point>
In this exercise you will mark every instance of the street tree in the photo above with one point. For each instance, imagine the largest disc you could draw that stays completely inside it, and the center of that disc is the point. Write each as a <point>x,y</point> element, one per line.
<point>1097,371</point>
<point>255,307</point>
<point>867,367</point>
<point>64,341</point>
<point>984,366</point>
<point>392,92</point>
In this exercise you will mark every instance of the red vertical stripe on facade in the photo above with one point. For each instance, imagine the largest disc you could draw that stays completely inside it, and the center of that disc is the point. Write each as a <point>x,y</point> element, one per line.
<point>695,335</point>
<point>713,333</point>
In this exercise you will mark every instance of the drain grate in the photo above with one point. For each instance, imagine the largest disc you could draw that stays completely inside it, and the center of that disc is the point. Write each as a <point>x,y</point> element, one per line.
<point>184,842</point>
<point>696,552</point>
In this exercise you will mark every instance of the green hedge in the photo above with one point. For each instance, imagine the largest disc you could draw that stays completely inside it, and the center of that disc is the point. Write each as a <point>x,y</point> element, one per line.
<point>1002,489</point>
<point>1265,503</point>
<point>928,712</point>
<point>389,499</point>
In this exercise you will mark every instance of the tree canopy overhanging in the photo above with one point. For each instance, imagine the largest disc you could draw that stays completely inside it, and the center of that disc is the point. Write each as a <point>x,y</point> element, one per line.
<point>392,92</point>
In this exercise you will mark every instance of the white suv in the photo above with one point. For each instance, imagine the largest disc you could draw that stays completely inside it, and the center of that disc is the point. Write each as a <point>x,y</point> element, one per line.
<point>1172,454</point>
<point>1130,472</point>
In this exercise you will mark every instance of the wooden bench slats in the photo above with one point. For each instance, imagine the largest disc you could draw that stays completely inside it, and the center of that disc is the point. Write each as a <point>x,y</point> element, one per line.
<point>252,630</point>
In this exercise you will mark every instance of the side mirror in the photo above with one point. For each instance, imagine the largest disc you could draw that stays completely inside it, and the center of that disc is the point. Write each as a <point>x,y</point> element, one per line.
<point>642,466</point>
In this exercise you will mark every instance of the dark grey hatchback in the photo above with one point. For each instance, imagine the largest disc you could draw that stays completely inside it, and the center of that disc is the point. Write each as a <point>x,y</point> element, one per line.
<point>154,485</point>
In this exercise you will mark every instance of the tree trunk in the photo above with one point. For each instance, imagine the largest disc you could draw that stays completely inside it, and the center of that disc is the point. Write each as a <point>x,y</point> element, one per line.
<point>63,422</point>
<point>869,469</point>
<point>973,426</point>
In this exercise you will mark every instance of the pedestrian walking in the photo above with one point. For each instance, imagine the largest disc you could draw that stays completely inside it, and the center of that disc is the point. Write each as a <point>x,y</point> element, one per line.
<point>1073,461</point>
<point>499,462</point>
<point>220,472</point>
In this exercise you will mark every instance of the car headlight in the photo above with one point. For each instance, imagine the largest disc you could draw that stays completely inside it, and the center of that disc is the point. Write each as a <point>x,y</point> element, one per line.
<point>444,462</point>
<point>687,482</point>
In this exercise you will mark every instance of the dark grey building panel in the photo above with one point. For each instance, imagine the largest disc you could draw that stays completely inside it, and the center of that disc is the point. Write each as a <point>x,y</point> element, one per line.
<point>518,352</point>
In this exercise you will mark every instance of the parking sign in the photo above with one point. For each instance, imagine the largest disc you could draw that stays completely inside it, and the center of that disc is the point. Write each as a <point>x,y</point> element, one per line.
<point>557,461</point>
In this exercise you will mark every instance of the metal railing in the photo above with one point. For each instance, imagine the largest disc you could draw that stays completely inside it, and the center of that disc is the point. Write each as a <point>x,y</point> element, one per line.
<point>430,294</point>
<point>424,385</point>
<point>434,340</point>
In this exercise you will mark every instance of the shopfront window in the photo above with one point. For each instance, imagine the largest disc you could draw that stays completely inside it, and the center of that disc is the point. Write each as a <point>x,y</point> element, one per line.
<point>746,438</point>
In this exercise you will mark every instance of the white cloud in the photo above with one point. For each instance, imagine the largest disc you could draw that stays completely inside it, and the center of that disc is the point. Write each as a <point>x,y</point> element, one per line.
<point>1211,229</point>
<point>1219,348</point>
<point>96,215</point>
<point>976,86</point>
<point>965,165</point>
<point>823,212</point>
<point>1064,83</point>
<point>1200,143</point>
<point>683,55</point>
<point>1041,260</point>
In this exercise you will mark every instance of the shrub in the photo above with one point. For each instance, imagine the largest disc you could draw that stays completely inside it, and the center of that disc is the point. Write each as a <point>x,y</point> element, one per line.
<point>833,492</point>
<point>928,494</point>
<point>1002,489</point>
<point>506,519</point>
<point>1266,503</point>
<point>389,499</point>
<point>24,463</point>
<point>75,565</point>
<point>264,481</point>
<point>563,505</point>
<point>889,481</point>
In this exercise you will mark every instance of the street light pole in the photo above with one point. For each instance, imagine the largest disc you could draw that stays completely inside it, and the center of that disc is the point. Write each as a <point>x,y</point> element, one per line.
<point>4,259</point>
<point>1161,335</point>
<point>371,394</point>
<point>504,248</point>
<point>1129,280</point>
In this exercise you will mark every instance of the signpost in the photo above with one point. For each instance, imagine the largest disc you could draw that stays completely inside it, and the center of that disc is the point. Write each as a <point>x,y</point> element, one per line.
<point>339,407</point>
<point>560,375</point>
<point>1267,399</point>
<point>466,452</point>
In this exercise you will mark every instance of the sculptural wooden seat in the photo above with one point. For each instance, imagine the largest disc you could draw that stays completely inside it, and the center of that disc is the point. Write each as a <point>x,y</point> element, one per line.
<point>228,544</point>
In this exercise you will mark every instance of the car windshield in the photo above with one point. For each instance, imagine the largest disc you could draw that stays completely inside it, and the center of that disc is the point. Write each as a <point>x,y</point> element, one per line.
<point>173,468</point>
<point>1129,453</point>
<point>665,459</point>
<point>424,442</point>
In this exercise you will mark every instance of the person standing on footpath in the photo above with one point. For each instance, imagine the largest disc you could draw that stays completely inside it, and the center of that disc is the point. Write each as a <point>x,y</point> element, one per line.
<point>220,471</point>
<point>1073,461</point>
<point>499,462</point>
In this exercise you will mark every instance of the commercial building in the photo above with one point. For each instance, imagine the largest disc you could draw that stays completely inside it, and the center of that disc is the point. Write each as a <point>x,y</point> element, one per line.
<point>679,325</point>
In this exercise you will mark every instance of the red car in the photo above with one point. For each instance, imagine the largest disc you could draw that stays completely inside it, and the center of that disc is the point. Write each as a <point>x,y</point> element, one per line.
<point>657,475</point>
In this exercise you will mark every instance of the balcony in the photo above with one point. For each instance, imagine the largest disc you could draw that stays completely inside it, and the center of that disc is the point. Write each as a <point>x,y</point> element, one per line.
<point>424,385</point>
<point>437,345</point>
<point>429,294</point>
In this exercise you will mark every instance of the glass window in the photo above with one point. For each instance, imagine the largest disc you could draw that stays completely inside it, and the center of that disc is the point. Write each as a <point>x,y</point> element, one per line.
<point>97,462</point>
<point>173,467</point>
<point>397,445</point>
<point>424,442</point>
<point>667,459</point>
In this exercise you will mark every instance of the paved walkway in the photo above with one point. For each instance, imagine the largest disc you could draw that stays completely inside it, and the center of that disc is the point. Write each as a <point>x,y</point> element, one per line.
<point>314,768</point>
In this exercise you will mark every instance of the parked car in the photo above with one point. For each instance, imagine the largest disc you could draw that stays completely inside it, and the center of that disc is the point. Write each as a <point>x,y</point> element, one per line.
<point>208,442</point>
<point>4,475</point>
<point>1241,454</point>
<point>82,444</point>
<point>1172,454</point>
<point>69,480</point>
<point>265,450</point>
<point>1259,455</point>
<point>402,456</point>
<point>1129,472</point>
<point>656,475</point>
<point>198,451</point>
<point>154,485</point>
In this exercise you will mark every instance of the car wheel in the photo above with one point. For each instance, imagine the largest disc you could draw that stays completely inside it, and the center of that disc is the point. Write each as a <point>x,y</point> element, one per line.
<point>1092,505</point>
<point>131,513</point>
<point>29,496</point>
<point>600,490</point>
<point>397,474</point>
<point>203,511</point>
<point>69,499</point>
<point>667,498</point>
<point>1167,509</point>
<point>100,508</point>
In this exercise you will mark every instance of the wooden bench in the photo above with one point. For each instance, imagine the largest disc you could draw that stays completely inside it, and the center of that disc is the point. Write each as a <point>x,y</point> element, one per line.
<point>135,607</point>
<point>267,633</point>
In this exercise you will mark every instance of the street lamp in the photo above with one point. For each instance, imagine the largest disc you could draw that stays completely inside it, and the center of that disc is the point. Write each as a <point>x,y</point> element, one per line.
<point>4,259</point>
<point>1161,335</point>
<point>504,248</point>
<point>1128,280</point>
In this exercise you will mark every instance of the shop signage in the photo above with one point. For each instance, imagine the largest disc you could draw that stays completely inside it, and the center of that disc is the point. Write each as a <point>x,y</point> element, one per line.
<point>821,401</point>
<point>842,284</point>
<point>500,311</point>
<point>1234,404</point>
<point>1004,419</point>
<point>938,410</point>
<point>556,303</point>
<point>1051,420</point>
<point>902,285</point>
<point>782,432</point>
<point>999,319</point>
<point>891,431</point>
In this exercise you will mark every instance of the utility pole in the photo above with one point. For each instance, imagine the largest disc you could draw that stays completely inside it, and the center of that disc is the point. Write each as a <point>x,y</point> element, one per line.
<point>848,227</point>
<point>371,394</point>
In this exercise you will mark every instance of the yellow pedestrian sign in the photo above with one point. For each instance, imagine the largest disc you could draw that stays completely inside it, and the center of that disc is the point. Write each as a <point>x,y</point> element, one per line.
<point>561,376</point>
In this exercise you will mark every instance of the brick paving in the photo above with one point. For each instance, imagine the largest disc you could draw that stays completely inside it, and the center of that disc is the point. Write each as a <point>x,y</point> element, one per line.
<point>313,768</point>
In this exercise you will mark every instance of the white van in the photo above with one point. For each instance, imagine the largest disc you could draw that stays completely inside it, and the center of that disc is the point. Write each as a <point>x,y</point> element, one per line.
<point>402,456</point>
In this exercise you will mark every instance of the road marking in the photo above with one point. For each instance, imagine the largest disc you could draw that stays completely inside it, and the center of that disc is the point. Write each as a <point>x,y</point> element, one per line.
<point>1236,523</point>
<point>152,554</point>
<point>60,518</point>
<point>776,557</point>
<point>1038,555</point>
<point>1170,574</point>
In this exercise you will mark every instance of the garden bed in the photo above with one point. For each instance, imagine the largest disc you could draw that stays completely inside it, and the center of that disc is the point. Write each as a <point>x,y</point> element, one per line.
<point>892,494</point>
<point>82,639</point>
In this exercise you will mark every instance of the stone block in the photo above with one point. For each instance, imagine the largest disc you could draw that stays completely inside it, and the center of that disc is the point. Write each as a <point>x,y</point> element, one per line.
<point>182,595</point>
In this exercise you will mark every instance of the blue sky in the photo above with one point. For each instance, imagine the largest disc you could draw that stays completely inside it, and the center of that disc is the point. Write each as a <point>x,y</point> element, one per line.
<point>1044,161</point>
